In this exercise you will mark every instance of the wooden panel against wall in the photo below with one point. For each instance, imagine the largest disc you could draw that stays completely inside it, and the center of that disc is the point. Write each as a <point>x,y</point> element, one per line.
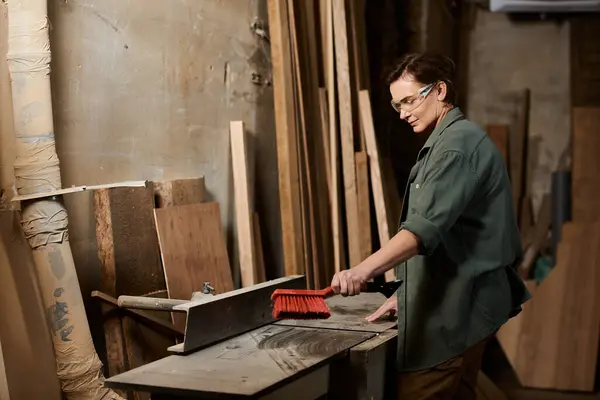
<point>26,344</point>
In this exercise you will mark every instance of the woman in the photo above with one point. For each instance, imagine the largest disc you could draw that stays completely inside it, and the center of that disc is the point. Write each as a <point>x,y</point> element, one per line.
<point>457,246</point>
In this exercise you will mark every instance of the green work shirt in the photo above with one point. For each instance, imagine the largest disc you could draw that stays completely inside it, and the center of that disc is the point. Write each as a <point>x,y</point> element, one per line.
<point>463,285</point>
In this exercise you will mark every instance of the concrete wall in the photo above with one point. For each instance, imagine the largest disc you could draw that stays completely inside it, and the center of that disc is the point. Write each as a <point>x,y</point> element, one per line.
<point>145,89</point>
<point>506,57</point>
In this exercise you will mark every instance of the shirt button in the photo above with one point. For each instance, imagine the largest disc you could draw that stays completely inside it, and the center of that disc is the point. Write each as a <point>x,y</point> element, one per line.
<point>417,185</point>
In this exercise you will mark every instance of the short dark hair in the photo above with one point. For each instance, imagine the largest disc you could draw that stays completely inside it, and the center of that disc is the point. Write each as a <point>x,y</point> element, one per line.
<point>426,68</point>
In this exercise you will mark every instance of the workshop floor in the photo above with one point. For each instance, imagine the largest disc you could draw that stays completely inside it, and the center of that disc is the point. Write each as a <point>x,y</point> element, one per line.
<point>497,368</point>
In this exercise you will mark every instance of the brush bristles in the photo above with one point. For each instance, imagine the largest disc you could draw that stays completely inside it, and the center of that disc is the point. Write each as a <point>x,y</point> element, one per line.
<point>300,307</point>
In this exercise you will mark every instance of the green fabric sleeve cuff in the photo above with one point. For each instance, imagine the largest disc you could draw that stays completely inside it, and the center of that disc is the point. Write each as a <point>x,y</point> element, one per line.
<point>428,234</point>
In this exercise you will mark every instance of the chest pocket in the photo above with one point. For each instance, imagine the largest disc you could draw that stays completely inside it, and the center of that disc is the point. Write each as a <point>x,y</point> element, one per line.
<point>413,194</point>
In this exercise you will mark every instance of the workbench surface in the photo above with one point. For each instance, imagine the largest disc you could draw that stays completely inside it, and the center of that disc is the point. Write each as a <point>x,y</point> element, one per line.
<point>263,359</point>
<point>348,313</point>
<point>243,366</point>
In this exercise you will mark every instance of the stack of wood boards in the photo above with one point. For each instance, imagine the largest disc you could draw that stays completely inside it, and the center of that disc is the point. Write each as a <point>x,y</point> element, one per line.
<point>329,168</point>
<point>158,240</point>
<point>553,343</point>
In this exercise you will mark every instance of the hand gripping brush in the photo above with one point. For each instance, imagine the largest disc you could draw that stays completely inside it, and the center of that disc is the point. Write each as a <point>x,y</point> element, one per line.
<point>310,304</point>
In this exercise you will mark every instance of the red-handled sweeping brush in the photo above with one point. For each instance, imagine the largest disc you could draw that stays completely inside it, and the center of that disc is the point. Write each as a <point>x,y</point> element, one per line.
<point>310,304</point>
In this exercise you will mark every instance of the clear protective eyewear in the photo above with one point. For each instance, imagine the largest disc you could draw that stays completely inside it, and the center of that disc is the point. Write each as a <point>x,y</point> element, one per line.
<point>412,102</point>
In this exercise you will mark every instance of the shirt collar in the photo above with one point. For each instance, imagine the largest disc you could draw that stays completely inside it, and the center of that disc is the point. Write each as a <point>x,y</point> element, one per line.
<point>453,115</point>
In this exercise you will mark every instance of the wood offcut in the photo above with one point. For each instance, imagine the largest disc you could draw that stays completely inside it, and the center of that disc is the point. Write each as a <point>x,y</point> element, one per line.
<point>192,244</point>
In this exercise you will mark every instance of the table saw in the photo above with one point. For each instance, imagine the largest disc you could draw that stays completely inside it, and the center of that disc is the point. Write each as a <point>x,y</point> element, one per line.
<point>233,348</point>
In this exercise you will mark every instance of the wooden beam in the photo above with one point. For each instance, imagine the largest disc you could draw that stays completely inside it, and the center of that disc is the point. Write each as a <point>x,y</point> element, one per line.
<point>375,167</point>
<point>243,208</point>
<point>113,330</point>
<point>364,204</point>
<point>285,123</point>
<point>346,129</point>
<point>339,258</point>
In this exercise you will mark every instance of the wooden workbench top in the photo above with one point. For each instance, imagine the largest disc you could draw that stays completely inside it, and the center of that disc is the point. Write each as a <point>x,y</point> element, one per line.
<point>247,365</point>
<point>348,313</point>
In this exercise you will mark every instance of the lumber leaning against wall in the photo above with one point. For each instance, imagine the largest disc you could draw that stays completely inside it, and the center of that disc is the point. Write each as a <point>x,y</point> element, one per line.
<point>44,221</point>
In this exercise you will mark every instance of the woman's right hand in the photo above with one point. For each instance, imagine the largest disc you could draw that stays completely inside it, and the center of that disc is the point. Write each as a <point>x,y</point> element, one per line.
<point>389,309</point>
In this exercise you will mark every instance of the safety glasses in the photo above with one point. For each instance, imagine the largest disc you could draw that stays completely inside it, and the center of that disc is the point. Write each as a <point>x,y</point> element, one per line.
<point>411,102</point>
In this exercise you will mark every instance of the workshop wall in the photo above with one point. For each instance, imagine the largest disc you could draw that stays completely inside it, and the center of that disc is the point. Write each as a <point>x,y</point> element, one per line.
<point>505,57</point>
<point>146,89</point>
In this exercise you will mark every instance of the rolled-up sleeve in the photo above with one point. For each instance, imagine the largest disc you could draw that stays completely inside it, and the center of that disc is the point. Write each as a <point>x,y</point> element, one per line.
<point>439,199</point>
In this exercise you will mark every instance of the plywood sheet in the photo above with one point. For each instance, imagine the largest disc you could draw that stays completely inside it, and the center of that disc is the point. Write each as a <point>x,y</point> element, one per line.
<point>193,249</point>
<point>245,365</point>
<point>349,313</point>
<point>558,344</point>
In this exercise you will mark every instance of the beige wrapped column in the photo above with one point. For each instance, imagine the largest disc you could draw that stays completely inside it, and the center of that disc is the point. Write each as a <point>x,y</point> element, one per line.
<point>45,221</point>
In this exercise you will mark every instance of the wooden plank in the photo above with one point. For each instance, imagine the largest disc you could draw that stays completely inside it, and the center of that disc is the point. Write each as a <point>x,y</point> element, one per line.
<point>359,59</point>
<point>379,197</point>
<point>113,330</point>
<point>260,260</point>
<point>192,245</point>
<point>324,135</point>
<point>585,187</point>
<point>346,129</point>
<point>247,365</point>
<point>339,258</point>
<point>77,189</point>
<point>129,257</point>
<point>499,135</point>
<point>311,252</point>
<point>348,313</point>
<point>558,344</point>
<point>136,254</point>
<point>364,204</point>
<point>285,123</point>
<point>243,205</point>
<point>518,154</point>
<point>306,12</point>
<point>231,313</point>
<point>585,59</point>
<point>179,192</point>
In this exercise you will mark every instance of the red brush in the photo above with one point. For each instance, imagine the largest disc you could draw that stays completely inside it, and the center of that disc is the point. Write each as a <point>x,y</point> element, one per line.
<point>310,304</point>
